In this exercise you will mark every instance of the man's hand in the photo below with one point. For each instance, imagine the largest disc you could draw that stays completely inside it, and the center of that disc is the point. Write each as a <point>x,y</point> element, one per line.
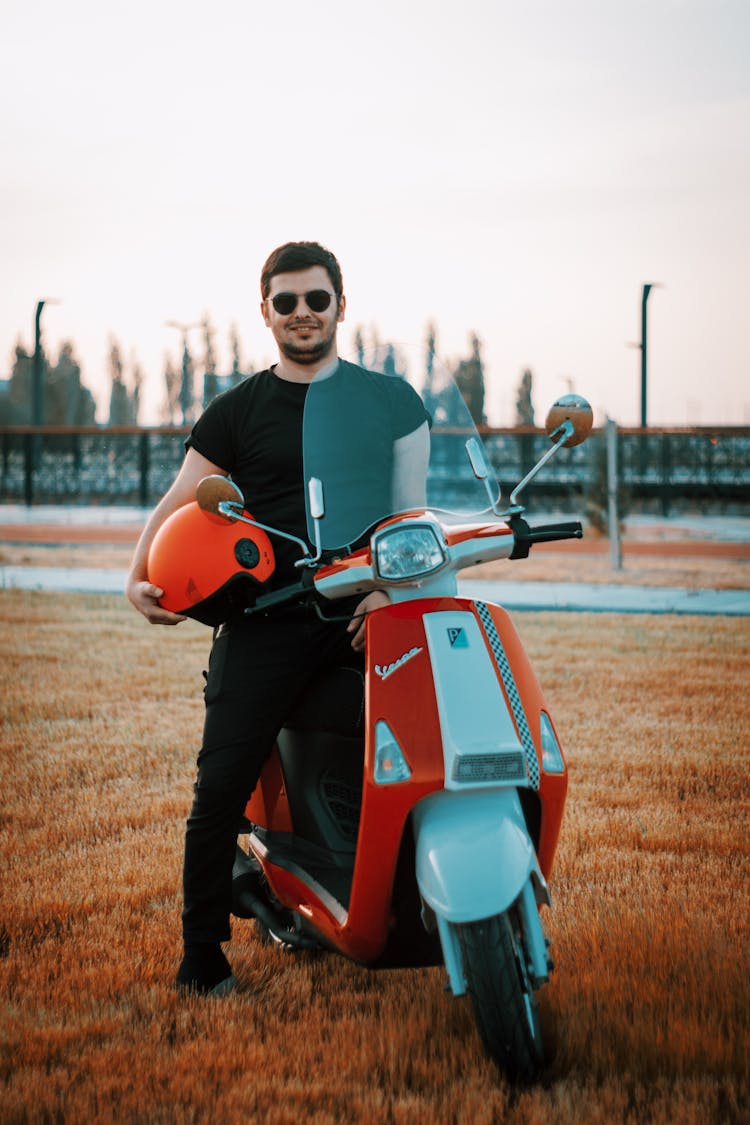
<point>374,600</point>
<point>145,597</point>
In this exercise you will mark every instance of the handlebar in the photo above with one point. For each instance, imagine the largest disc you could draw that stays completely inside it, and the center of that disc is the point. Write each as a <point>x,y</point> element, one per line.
<point>526,537</point>
<point>303,593</point>
<point>299,593</point>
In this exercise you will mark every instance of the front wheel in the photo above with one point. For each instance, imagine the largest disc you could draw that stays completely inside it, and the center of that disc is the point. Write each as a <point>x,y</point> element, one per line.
<point>502,994</point>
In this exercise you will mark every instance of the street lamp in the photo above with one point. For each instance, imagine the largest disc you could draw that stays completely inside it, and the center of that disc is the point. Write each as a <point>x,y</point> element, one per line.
<point>37,385</point>
<point>644,348</point>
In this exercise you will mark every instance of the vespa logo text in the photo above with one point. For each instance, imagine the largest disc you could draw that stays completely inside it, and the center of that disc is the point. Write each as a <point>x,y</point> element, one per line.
<point>389,669</point>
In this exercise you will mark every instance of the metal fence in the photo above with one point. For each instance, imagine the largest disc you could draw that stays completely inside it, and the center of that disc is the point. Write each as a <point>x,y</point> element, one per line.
<point>662,470</point>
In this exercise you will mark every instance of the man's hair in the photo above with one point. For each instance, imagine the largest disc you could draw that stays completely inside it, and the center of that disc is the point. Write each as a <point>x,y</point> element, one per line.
<point>293,256</point>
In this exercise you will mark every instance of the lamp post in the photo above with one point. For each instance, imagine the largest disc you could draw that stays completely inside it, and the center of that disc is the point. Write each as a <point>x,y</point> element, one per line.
<point>644,349</point>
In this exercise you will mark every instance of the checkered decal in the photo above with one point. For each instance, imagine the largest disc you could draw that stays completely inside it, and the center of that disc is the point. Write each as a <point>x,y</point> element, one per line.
<point>512,692</point>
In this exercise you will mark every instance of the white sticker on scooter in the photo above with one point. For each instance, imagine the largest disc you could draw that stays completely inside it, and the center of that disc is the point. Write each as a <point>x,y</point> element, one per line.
<point>384,671</point>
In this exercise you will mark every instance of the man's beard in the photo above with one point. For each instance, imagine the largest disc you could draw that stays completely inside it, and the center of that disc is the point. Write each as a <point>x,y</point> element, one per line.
<point>310,353</point>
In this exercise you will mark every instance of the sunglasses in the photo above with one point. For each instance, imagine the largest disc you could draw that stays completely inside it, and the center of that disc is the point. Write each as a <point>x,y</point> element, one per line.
<point>317,300</point>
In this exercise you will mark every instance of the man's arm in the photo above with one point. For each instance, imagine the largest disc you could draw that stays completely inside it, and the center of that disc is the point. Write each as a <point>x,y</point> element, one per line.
<point>143,595</point>
<point>411,455</point>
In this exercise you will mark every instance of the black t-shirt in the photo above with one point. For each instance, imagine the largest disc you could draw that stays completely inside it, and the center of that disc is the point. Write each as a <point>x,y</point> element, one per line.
<point>254,432</point>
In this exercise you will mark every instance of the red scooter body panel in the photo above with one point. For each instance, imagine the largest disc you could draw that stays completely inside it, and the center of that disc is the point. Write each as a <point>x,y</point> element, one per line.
<point>405,699</point>
<point>269,805</point>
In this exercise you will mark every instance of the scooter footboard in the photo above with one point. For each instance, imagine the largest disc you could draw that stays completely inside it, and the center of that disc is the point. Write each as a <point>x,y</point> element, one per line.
<point>474,859</point>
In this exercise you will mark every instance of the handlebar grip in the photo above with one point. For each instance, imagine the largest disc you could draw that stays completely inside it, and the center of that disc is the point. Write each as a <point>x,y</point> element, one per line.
<point>550,532</point>
<point>526,537</point>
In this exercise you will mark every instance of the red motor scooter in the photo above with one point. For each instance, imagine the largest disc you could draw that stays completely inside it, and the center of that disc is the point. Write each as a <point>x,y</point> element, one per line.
<point>409,816</point>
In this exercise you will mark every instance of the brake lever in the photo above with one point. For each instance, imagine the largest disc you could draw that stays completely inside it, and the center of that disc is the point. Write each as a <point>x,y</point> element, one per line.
<point>336,616</point>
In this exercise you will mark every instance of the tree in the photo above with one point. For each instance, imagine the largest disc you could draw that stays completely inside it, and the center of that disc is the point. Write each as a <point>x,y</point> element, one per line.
<point>187,385</point>
<point>210,378</point>
<point>209,357</point>
<point>431,350</point>
<point>234,345</point>
<point>67,402</point>
<point>124,398</point>
<point>469,376</point>
<point>359,345</point>
<point>524,406</point>
<point>367,346</point>
<point>119,399</point>
<point>20,391</point>
<point>137,386</point>
<point>430,393</point>
<point>171,390</point>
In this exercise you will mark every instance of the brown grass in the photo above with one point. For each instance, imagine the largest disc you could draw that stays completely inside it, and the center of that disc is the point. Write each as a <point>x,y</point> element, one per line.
<point>647,1015</point>
<point>106,555</point>
<point>692,572</point>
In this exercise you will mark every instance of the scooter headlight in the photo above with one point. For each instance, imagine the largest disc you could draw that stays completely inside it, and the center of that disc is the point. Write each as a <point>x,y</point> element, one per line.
<point>407,552</point>
<point>552,759</point>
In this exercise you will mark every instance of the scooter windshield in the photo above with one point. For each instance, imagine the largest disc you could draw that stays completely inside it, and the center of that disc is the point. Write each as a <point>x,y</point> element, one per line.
<point>386,435</point>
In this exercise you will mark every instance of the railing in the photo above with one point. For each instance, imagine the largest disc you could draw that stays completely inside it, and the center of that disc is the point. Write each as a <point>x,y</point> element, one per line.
<point>89,464</point>
<point>661,469</point>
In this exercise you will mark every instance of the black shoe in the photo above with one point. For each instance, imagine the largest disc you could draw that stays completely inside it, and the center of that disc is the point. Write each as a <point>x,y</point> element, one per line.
<point>205,971</point>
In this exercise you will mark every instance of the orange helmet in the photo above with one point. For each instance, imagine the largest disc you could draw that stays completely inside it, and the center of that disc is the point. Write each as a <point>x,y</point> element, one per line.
<point>208,566</point>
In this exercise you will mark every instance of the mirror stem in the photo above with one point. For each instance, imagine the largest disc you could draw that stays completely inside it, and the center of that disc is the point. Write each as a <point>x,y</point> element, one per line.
<point>227,508</point>
<point>318,546</point>
<point>564,430</point>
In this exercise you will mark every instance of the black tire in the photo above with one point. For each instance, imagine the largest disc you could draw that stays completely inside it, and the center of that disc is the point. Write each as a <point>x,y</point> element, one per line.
<point>502,995</point>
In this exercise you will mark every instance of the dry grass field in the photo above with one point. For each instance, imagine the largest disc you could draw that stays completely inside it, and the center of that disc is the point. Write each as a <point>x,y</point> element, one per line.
<point>647,1015</point>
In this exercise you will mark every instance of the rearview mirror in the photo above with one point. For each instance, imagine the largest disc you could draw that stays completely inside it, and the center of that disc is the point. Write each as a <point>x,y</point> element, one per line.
<point>482,470</point>
<point>219,496</point>
<point>478,460</point>
<point>574,411</point>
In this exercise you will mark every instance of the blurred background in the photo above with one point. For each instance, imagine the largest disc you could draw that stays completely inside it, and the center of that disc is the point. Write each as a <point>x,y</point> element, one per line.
<point>505,176</point>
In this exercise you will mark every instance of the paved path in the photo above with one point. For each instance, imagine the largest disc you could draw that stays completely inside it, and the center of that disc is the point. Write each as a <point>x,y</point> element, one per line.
<point>608,598</point>
<point>514,595</point>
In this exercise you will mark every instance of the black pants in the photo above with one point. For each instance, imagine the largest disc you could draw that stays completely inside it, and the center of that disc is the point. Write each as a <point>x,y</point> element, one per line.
<point>259,667</point>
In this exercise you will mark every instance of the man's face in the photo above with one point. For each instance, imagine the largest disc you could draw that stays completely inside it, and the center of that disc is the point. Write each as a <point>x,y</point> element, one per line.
<point>303,335</point>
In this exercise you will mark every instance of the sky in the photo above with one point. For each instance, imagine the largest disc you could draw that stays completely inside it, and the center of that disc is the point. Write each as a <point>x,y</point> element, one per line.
<point>514,170</point>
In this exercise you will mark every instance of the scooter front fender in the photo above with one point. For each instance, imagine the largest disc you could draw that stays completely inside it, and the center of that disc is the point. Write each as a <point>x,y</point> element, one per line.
<point>473,853</point>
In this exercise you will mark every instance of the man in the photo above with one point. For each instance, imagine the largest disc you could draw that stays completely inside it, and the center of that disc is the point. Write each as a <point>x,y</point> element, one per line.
<point>259,665</point>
